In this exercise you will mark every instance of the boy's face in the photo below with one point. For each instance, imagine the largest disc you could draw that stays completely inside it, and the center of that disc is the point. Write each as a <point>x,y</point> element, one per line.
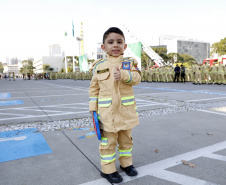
<point>114,45</point>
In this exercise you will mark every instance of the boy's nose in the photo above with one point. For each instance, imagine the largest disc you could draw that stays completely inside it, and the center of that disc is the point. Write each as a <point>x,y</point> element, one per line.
<point>115,44</point>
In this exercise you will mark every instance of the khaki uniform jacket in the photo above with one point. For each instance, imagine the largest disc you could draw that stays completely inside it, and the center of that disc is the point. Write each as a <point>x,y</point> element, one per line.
<point>114,101</point>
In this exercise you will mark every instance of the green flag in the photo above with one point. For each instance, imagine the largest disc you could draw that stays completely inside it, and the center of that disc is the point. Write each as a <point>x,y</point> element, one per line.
<point>83,63</point>
<point>73,29</point>
<point>134,50</point>
<point>65,34</point>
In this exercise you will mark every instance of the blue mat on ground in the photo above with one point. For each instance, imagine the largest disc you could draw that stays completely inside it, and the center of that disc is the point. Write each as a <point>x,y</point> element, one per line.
<point>23,143</point>
<point>5,95</point>
<point>11,102</point>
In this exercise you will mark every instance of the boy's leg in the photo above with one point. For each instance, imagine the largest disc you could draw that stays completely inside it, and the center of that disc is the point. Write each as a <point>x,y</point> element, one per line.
<point>125,147</point>
<point>107,151</point>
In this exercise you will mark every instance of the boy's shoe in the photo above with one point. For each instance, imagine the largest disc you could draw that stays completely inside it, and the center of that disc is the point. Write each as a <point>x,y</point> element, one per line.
<point>112,177</point>
<point>130,170</point>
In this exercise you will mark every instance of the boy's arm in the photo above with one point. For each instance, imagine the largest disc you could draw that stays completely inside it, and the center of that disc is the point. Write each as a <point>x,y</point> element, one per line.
<point>93,94</point>
<point>131,77</point>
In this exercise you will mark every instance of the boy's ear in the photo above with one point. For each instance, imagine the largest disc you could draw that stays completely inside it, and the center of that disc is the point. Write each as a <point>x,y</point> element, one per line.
<point>103,47</point>
<point>125,46</point>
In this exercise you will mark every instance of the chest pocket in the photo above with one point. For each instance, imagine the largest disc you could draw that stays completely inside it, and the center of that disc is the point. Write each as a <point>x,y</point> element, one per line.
<point>104,83</point>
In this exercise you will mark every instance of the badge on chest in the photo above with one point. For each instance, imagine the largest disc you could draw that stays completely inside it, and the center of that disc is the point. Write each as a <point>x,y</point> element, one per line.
<point>126,65</point>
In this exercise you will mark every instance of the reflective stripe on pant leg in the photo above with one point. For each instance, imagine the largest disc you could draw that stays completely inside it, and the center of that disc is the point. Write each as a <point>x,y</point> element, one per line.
<point>125,152</point>
<point>108,158</point>
<point>104,141</point>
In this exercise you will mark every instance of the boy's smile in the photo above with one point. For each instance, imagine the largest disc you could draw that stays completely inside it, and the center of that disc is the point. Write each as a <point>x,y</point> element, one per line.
<point>114,45</point>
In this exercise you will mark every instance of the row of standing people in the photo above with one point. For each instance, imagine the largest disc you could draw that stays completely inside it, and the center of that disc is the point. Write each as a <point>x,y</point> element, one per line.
<point>198,74</point>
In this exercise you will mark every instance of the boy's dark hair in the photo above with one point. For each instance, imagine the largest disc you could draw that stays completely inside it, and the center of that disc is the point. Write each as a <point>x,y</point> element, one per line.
<point>113,30</point>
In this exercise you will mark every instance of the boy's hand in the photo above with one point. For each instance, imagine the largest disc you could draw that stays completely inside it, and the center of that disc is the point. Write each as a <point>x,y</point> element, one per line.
<point>117,74</point>
<point>91,112</point>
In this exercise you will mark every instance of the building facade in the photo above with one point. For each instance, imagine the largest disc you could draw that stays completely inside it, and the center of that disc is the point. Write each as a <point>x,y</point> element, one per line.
<point>100,53</point>
<point>55,50</point>
<point>55,62</point>
<point>199,50</point>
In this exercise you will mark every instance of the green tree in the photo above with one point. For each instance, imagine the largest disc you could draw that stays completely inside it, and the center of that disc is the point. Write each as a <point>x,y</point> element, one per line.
<point>45,68</point>
<point>187,59</point>
<point>172,57</point>
<point>1,67</point>
<point>219,47</point>
<point>27,65</point>
<point>144,60</point>
<point>160,50</point>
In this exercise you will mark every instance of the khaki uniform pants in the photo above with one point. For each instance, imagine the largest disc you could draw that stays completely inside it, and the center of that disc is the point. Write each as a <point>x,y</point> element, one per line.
<point>107,148</point>
<point>198,77</point>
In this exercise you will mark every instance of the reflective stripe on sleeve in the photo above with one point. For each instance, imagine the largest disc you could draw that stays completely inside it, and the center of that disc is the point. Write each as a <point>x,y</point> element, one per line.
<point>104,102</point>
<point>130,77</point>
<point>130,100</point>
<point>93,99</point>
<point>108,158</point>
<point>98,63</point>
<point>104,141</point>
<point>125,152</point>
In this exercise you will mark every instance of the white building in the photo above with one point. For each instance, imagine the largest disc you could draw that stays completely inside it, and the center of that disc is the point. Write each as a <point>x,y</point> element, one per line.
<point>199,50</point>
<point>11,68</point>
<point>55,62</point>
<point>55,50</point>
<point>100,52</point>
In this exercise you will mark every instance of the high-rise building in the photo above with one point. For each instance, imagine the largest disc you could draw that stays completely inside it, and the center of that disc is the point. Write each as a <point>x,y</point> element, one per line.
<point>199,50</point>
<point>55,50</point>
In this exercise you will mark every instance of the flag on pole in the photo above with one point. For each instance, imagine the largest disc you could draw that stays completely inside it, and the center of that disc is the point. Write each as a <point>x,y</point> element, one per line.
<point>134,50</point>
<point>83,63</point>
<point>65,34</point>
<point>73,29</point>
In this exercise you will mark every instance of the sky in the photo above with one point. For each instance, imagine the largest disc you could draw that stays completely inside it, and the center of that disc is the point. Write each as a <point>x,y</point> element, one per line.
<point>28,27</point>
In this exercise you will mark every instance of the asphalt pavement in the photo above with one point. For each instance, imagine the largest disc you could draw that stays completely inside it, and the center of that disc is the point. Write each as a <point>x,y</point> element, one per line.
<point>180,140</point>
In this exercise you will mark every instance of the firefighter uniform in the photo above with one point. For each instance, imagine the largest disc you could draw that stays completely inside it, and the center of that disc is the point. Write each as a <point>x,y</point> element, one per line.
<point>142,74</point>
<point>115,103</point>
<point>220,73</point>
<point>213,73</point>
<point>194,68</point>
<point>160,73</point>
<point>150,74</point>
<point>225,74</point>
<point>205,74</point>
<point>197,70</point>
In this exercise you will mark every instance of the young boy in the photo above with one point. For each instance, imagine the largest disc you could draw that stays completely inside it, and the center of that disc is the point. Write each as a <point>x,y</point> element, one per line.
<point>111,96</point>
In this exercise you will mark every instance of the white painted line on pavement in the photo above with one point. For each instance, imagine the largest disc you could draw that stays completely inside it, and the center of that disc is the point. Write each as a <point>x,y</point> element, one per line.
<point>42,96</point>
<point>41,91</point>
<point>14,114</point>
<point>38,116</point>
<point>55,106</point>
<point>216,156</point>
<point>39,110</point>
<point>86,90</point>
<point>212,112</point>
<point>205,99</point>
<point>158,169</point>
<point>158,93</point>
<point>14,138</point>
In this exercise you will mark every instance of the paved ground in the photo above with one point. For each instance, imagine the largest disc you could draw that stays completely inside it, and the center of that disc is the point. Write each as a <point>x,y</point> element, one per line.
<point>178,122</point>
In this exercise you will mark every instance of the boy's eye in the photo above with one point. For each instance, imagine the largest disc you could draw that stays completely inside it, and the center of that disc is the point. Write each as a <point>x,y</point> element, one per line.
<point>110,42</point>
